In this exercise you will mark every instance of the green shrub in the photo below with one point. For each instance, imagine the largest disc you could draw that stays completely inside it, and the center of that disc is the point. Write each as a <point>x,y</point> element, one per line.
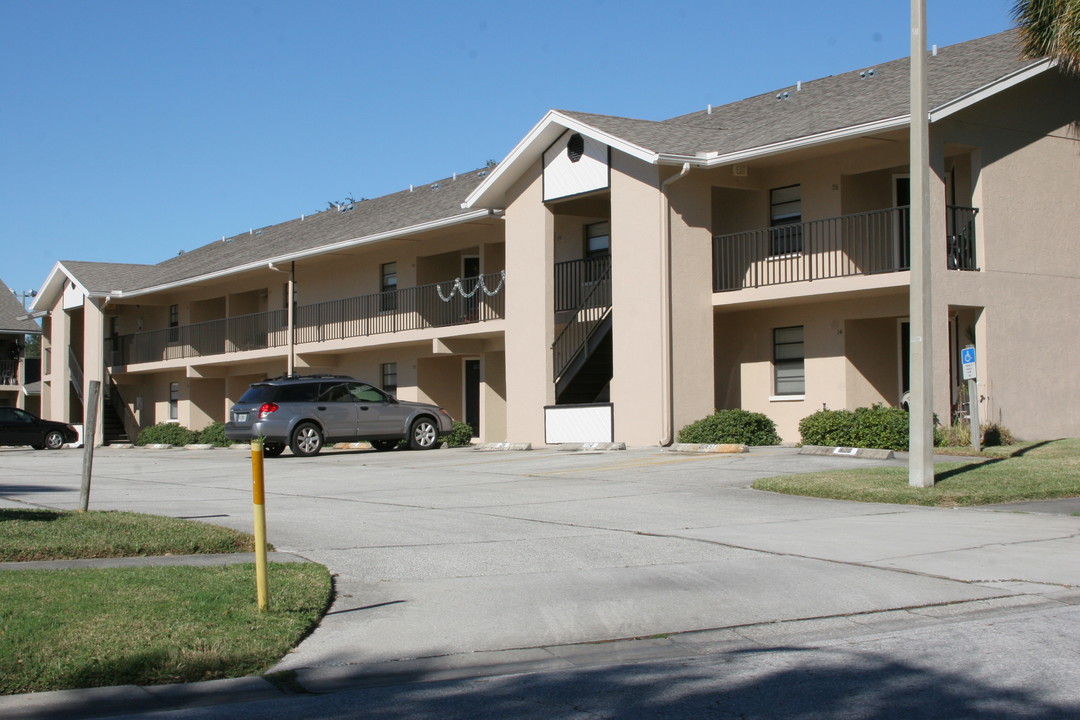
<point>459,436</point>
<point>214,434</point>
<point>731,426</point>
<point>165,433</point>
<point>878,426</point>
<point>827,427</point>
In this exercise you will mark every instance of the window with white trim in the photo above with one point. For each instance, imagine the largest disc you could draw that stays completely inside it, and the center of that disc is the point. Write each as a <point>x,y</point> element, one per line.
<point>789,356</point>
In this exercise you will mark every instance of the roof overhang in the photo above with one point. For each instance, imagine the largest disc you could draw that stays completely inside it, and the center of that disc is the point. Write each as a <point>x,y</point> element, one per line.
<point>492,192</point>
<point>52,288</point>
<point>292,257</point>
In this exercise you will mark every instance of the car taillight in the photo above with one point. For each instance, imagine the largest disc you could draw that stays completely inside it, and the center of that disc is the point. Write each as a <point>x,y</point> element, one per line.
<point>266,409</point>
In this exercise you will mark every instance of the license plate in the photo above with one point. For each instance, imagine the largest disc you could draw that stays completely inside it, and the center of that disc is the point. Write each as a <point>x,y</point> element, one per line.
<point>241,417</point>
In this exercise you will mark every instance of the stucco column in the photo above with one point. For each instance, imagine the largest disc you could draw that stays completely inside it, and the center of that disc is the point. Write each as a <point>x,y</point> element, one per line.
<point>93,360</point>
<point>60,376</point>
<point>530,322</point>
<point>693,361</point>
<point>637,302</point>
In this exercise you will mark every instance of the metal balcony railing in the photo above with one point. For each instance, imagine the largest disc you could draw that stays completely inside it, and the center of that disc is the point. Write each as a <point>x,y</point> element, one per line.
<point>9,372</point>
<point>574,280</point>
<point>455,302</point>
<point>861,244</point>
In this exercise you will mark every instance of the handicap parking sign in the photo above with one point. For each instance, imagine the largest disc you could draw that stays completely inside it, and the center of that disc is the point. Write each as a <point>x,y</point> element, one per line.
<point>967,358</point>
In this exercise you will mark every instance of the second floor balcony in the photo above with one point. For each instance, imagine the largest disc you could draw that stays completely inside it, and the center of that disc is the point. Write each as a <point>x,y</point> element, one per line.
<point>456,302</point>
<point>861,244</point>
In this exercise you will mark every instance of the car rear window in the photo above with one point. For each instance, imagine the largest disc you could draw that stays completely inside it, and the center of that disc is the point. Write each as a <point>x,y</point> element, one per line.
<point>258,394</point>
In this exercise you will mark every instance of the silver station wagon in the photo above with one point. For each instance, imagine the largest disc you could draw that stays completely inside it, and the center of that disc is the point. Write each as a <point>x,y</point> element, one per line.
<point>305,412</point>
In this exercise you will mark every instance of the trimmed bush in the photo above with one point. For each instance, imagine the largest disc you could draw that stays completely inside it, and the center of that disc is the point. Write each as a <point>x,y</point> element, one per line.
<point>165,433</point>
<point>214,434</point>
<point>878,426</point>
<point>731,426</point>
<point>827,427</point>
<point>881,426</point>
<point>459,436</point>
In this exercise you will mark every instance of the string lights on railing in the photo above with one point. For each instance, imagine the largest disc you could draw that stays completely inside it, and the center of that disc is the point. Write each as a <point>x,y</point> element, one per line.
<point>458,288</point>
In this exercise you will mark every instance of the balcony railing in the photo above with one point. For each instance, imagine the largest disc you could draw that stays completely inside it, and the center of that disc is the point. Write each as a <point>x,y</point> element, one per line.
<point>574,280</point>
<point>861,244</point>
<point>9,372</point>
<point>455,302</point>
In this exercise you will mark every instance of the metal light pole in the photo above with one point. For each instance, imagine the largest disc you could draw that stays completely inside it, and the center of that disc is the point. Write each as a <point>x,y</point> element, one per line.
<point>921,431</point>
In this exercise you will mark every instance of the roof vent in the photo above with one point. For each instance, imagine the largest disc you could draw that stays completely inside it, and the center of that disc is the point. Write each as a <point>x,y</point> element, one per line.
<point>868,73</point>
<point>482,173</point>
<point>575,147</point>
<point>435,186</point>
<point>783,96</point>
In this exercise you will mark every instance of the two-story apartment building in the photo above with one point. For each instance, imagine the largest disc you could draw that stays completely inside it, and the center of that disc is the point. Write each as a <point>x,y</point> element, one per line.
<point>18,375</point>
<point>639,274</point>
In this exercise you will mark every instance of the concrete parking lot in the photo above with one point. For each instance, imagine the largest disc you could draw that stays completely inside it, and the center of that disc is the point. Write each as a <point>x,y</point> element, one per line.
<point>451,552</point>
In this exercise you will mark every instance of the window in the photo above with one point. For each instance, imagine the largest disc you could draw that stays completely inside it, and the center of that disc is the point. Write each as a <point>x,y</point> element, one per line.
<point>174,401</point>
<point>785,219</point>
<point>598,239</point>
<point>388,286</point>
<point>389,377</point>
<point>597,250</point>
<point>788,361</point>
<point>174,323</point>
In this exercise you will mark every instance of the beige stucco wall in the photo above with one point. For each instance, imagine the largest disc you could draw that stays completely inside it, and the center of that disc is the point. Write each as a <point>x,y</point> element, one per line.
<point>529,302</point>
<point>836,376</point>
<point>638,344</point>
<point>1028,177</point>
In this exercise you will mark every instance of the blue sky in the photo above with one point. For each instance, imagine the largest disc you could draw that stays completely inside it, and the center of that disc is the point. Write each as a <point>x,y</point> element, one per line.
<point>132,130</point>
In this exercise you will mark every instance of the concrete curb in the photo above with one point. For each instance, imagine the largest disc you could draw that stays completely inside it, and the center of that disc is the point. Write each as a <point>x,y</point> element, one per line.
<point>579,447</point>
<point>707,448</point>
<point>492,447</point>
<point>864,453</point>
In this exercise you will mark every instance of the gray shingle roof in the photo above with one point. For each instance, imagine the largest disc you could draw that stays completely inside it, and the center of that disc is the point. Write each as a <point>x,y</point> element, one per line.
<point>431,202</point>
<point>820,106</point>
<point>10,310</point>
<point>831,103</point>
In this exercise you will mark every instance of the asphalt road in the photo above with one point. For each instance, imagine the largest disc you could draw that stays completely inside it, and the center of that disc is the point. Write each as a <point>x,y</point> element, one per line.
<point>538,570</point>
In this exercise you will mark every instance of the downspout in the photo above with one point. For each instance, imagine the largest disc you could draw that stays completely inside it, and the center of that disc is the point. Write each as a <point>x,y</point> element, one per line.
<point>666,342</point>
<point>290,368</point>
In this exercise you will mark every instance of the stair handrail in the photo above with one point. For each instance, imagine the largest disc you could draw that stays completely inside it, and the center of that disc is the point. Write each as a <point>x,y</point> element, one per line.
<point>75,373</point>
<point>581,319</point>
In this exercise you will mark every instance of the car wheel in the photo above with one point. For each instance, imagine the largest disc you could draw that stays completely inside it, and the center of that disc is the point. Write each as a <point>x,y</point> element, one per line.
<point>384,445</point>
<point>423,434</point>
<point>54,440</point>
<point>306,440</point>
<point>273,449</point>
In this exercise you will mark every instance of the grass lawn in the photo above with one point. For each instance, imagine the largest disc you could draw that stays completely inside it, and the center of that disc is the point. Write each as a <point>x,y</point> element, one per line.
<point>141,625</point>
<point>145,626</point>
<point>1037,471</point>
<point>55,535</point>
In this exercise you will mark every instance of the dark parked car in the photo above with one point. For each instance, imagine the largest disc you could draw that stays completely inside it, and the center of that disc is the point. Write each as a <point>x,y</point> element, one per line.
<point>18,427</point>
<point>303,412</point>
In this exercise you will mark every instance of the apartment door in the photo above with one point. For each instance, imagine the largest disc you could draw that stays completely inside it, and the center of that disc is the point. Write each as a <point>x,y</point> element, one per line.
<point>472,395</point>
<point>470,273</point>
<point>902,200</point>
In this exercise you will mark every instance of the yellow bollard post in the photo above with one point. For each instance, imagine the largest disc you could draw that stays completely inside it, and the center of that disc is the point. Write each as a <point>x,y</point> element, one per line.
<point>260,523</point>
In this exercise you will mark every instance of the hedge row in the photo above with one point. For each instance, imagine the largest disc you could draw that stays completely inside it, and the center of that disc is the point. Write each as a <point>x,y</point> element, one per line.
<point>867,427</point>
